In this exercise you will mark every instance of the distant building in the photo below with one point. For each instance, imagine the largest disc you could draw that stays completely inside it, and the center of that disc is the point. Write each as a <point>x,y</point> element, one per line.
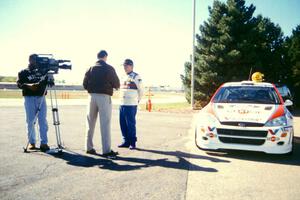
<point>163,88</point>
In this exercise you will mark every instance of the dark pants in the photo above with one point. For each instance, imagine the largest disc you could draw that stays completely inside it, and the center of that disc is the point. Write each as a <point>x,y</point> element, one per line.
<point>127,124</point>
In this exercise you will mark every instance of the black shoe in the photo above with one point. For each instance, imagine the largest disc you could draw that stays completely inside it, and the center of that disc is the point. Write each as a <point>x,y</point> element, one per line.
<point>44,147</point>
<point>124,145</point>
<point>132,147</point>
<point>111,154</point>
<point>31,147</point>
<point>91,151</point>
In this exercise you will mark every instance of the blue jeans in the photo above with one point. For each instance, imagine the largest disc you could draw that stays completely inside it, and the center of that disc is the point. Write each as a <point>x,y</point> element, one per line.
<point>31,104</point>
<point>127,124</point>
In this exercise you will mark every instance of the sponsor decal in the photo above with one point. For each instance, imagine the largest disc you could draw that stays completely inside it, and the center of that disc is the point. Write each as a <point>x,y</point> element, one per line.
<point>273,138</point>
<point>279,111</point>
<point>274,132</point>
<point>243,111</point>
<point>211,128</point>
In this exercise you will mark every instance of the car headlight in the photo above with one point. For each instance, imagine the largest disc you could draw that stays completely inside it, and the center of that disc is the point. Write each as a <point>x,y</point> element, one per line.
<point>279,121</point>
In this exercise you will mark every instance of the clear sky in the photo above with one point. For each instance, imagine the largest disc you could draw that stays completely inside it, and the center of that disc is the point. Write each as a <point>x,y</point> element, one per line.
<point>156,34</point>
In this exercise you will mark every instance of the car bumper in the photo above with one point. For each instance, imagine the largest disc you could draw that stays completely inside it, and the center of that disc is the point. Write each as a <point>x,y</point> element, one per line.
<point>275,140</point>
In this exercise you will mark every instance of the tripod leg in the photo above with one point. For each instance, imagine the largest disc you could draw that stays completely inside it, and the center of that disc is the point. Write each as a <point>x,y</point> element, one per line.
<point>56,121</point>
<point>25,148</point>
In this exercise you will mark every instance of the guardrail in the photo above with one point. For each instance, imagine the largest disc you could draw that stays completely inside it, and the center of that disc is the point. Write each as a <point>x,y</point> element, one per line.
<point>12,86</point>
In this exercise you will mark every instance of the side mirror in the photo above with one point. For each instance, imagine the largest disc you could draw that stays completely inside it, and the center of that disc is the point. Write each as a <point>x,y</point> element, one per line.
<point>288,102</point>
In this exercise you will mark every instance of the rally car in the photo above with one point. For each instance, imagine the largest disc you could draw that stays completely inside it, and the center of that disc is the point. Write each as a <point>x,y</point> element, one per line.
<point>246,115</point>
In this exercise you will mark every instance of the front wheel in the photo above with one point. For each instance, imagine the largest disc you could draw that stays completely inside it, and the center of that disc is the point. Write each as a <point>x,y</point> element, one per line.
<point>196,136</point>
<point>293,147</point>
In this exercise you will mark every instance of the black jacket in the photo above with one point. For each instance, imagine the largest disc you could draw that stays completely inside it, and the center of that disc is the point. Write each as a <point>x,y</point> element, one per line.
<point>28,76</point>
<point>101,78</point>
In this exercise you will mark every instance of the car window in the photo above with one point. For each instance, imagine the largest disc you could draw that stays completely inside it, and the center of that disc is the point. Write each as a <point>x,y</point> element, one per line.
<point>247,94</point>
<point>281,90</point>
<point>284,92</point>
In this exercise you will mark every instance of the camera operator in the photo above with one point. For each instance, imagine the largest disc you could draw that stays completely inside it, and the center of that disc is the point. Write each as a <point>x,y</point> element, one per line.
<point>33,87</point>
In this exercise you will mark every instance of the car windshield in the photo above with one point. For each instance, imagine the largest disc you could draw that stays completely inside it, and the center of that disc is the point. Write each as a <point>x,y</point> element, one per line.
<point>247,94</point>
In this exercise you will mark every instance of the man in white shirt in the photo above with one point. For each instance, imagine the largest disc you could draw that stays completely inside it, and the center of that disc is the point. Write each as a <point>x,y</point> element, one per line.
<point>131,92</point>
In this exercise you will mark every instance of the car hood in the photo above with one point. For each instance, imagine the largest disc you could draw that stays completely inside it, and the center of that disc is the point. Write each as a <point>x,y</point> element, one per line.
<point>255,113</point>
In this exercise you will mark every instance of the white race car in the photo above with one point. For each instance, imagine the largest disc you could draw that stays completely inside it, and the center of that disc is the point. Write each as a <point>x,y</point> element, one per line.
<point>246,116</point>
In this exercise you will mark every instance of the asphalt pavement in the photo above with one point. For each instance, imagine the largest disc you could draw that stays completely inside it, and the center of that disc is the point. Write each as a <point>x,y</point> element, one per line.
<point>166,165</point>
<point>158,169</point>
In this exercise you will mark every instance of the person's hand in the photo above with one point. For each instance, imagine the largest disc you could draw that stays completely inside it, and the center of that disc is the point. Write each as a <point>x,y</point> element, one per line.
<point>50,80</point>
<point>33,87</point>
<point>50,83</point>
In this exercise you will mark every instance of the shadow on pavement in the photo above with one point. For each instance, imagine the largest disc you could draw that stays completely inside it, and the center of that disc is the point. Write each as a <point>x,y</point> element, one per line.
<point>79,160</point>
<point>76,159</point>
<point>183,154</point>
<point>180,164</point>
<point>293,159</point>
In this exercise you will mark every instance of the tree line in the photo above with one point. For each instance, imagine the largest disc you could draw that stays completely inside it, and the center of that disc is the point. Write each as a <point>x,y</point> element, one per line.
<point>8,79</point>
<point>233,43</point>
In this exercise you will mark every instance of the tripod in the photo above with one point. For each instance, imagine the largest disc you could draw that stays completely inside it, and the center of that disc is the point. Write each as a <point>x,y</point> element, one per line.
<point>56,123</point>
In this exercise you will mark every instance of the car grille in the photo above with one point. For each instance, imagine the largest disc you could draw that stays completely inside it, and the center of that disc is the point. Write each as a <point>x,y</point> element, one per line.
<point>243,124</point>
<point>245,133</point>
<point>242,141</point>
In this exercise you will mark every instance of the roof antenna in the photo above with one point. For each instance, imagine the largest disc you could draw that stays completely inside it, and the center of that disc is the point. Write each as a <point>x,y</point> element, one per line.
<point>250,74</point>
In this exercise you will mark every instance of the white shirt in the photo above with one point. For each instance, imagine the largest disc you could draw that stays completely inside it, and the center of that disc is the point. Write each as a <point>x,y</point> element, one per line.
<point>131,90</point>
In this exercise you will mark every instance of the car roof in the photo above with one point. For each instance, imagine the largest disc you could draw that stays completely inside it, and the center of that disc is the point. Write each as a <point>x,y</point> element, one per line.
<point>248,83</point>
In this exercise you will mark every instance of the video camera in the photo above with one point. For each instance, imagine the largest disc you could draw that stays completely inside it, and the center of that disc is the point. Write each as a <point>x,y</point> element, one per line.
<point>47,64</point>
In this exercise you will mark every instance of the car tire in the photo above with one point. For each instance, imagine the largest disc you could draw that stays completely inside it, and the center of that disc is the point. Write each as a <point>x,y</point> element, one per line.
<point>293,147</point>
<point>196,138</point>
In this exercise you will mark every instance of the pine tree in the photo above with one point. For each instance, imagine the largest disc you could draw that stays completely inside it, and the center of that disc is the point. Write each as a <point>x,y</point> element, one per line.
<point>230,44</point>
<point>294,54</point>
<point>269,47</point>
<point>293,46</point>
